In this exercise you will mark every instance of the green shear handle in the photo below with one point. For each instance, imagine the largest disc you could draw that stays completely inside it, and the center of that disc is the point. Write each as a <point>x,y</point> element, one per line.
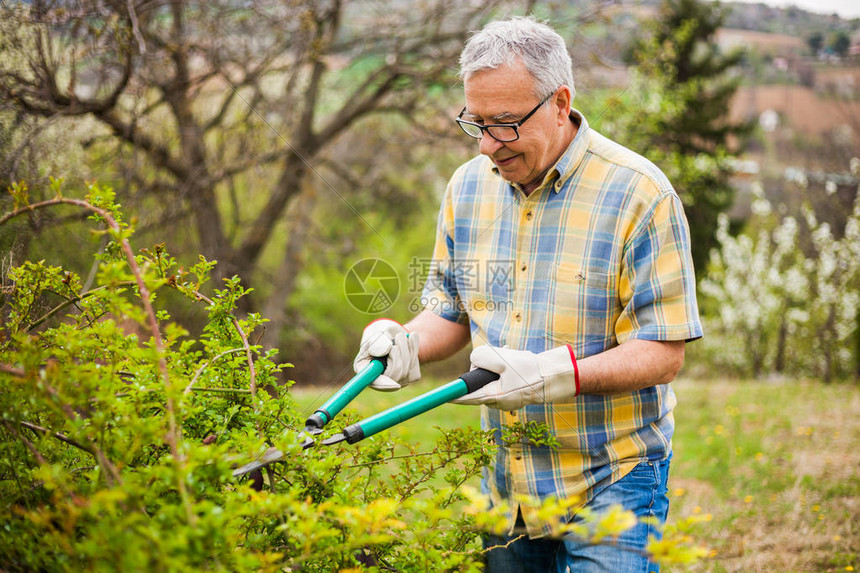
<point>465,384</point>
<point>346,394</point>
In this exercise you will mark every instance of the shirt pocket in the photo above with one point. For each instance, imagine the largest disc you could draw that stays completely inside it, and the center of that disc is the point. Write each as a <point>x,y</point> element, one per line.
<point>583,304</point>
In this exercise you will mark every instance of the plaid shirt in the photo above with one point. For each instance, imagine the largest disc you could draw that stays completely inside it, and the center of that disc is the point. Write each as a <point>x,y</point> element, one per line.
<point>597,255</point>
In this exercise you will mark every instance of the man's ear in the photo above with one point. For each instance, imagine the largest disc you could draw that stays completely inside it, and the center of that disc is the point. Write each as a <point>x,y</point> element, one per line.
<point>563,100</point>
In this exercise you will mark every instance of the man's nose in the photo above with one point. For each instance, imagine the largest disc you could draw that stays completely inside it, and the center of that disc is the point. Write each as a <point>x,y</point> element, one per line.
<point>489,145</point>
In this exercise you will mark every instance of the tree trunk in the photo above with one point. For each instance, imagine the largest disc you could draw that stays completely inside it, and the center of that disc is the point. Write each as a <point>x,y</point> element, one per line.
<point>828,337</point>
<point>857,347</point>
<point>782,339</point>
<point>284,282</point>
<point>197,186</point>
<point>260,231</point>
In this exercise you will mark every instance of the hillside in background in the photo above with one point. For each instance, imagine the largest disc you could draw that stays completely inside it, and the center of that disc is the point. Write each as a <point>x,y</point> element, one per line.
<point>760,17</point>
<point>800,84</point>
<point>791,20</point>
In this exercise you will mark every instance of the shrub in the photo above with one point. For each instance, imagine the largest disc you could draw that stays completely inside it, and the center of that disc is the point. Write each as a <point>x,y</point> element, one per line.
<point>785,298</point>
<point>119,430</point>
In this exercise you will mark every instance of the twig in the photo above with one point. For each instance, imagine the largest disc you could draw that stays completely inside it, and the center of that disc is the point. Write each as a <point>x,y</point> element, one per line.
<point>111,473</point>
<point>28,443</point>
<point>69,301</point>
<point>60,436</point>
<point>12,370</point>
<point>405,456</point>
<point>203,367</point>
<point>506,545</point>
<point>223,390</point>
<point>252,371</point>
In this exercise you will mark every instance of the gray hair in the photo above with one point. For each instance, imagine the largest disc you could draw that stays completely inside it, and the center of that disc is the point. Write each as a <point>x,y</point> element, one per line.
<point>538,46</point>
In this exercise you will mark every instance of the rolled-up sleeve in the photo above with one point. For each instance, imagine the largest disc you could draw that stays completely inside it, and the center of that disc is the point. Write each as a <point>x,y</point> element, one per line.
<point>658,285</point>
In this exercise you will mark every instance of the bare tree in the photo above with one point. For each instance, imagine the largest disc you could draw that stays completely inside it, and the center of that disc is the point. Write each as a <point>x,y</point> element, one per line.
<point>222,109</point>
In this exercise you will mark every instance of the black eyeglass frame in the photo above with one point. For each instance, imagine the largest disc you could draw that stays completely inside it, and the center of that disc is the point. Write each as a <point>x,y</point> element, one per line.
<point>486,128</point>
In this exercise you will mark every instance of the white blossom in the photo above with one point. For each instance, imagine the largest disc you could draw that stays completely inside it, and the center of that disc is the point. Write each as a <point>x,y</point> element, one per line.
<point>763,284</point>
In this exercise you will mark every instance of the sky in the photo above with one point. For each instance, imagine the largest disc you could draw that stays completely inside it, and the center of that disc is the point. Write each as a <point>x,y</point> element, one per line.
<point>845,8</point>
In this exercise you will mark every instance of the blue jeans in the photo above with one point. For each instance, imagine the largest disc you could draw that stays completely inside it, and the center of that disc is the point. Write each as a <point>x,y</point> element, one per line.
<point>642,491</point>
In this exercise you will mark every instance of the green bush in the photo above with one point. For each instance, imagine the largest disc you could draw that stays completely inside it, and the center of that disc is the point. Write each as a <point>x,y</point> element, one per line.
<point>119,430</point>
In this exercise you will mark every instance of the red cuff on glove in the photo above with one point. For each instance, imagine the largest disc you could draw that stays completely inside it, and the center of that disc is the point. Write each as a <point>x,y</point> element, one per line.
<point>575,368</point>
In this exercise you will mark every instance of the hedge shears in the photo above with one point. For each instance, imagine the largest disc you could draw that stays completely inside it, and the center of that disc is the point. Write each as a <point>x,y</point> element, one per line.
<point>465,384</point>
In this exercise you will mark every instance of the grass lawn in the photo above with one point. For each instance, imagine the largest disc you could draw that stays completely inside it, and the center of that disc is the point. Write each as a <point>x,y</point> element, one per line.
<point>775,464</point>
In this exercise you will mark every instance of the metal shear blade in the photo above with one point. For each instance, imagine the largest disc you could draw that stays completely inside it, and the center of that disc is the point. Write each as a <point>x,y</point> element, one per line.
<point>272,455</point>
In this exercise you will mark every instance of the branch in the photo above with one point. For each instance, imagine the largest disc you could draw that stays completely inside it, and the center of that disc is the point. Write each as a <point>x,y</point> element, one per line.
<point>128,133</point>
<point>60,436</point>
<point>135,27</point>
<point>46,70</point>
<point>358,106</point>
<point>250,79</point>
<point>111,473</point>
<point>241,166</point>
<point>410,455</point>
<point>223,390</point>
<point>205,364</point>
<point>245,345</point>
<point>9,369</point>
<point>216,120</point>
<point>13,158</point>
<point>70,301</point>
<point>36,454</point>
<point>39,458</point>
<point>287,186</point>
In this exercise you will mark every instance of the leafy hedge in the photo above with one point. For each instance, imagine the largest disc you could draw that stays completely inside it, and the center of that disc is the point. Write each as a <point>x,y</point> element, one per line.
<point>119,430</point>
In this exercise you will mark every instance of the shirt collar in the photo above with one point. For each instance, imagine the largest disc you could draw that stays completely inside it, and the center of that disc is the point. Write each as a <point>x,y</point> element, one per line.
<point>571,159</point>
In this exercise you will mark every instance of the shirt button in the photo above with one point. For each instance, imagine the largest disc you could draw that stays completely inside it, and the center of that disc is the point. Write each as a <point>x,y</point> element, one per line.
<point>519,317</point>
<point>518,457</point>
<point>523,267</point>
<point>529,216</point>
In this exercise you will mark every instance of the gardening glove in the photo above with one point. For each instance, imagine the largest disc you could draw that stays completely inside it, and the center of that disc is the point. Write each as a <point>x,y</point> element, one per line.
<point>386,337</point>
<point>524,377</point>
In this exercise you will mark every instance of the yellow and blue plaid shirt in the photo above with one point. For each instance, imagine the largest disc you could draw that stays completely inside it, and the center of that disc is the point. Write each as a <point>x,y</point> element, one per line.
<point>597,255</point>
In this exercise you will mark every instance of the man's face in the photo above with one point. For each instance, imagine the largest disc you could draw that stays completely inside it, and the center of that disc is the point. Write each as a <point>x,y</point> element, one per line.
<point>506,95</point>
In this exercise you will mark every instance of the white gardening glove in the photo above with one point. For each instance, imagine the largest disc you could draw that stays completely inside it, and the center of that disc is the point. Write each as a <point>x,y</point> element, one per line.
<point>524,377</point>
<point>386,337</point>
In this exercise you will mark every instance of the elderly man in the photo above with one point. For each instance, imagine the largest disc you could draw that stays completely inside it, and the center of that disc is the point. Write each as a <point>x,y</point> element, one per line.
<point>565,258</point>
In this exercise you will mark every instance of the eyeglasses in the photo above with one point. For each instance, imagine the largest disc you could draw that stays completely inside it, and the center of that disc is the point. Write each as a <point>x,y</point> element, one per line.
<point>501,132</point>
